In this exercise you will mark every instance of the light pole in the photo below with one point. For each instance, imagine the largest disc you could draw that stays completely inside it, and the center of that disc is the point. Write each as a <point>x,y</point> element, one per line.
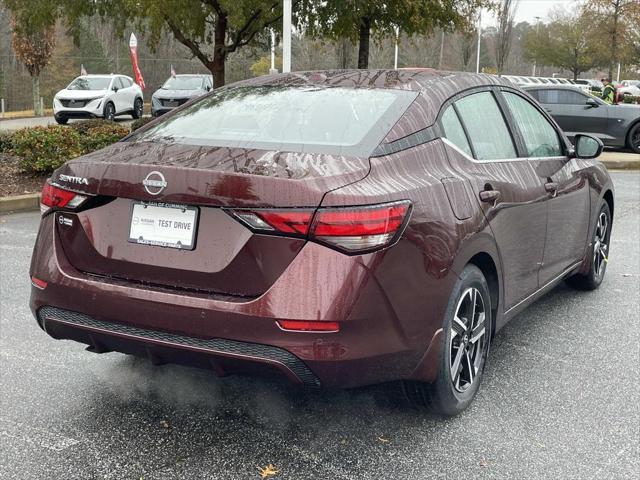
<point>533,73</point>
<point>286,37</point>
<point>479,40</point>
<point>395,57</point>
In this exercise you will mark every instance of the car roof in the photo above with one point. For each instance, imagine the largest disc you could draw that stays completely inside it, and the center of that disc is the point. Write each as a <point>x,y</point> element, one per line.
<point>555,86</point>
<point>428,80</point>
<point>193,75</point>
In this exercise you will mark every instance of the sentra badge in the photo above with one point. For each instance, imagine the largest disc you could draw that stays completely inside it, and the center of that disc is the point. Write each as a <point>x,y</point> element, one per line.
<point>72,179</point>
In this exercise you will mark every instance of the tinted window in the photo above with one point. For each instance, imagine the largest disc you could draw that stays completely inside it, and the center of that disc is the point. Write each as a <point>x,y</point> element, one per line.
<point>120,82</point>
<point>127,82</point>
<point>540,138</point>
<point>487,129</point>
<point>565,97</point>
<point>453,131</point>
<point>347,121</point>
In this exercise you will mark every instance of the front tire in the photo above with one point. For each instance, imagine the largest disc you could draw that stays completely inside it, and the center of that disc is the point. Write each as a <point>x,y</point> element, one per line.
<point>598,254</point>
<point>109,112</point>
<point>633,139</point>
<point>137,109</point>
<point>467,330</point>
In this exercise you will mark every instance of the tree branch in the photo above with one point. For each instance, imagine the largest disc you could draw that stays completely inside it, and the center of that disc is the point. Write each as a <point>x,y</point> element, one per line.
<point>187,42</point>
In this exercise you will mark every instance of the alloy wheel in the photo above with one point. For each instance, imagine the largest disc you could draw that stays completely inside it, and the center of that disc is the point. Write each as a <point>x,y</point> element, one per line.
<point>468,335</point>
<point>600,246</point>
<point>635,138</point>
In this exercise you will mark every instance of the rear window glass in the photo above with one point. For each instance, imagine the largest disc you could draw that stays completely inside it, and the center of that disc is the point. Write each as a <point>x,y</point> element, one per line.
<point>347,121</point>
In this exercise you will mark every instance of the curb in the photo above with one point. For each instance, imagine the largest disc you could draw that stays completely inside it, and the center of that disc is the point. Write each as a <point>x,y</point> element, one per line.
<point>20,203</point>
<point>622,164</point>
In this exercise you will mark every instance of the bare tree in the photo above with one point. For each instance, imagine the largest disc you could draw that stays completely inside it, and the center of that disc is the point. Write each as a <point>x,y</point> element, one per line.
<point>34,50</point>
<point>504,36</point>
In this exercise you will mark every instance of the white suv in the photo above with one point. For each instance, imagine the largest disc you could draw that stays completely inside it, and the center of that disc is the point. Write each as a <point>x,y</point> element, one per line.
<point>91,96</point>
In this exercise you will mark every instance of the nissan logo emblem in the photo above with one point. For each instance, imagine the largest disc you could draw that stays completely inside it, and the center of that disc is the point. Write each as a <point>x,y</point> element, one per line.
<point>154,183</point>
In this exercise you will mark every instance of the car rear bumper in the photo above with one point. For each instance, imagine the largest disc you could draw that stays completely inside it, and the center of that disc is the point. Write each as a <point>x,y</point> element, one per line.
<point>376,341</point>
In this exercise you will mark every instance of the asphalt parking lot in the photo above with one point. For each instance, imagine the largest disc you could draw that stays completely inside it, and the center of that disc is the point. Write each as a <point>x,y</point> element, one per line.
<point>559,398</point>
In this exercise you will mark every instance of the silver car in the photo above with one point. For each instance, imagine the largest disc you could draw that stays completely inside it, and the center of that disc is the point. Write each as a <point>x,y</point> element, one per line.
<point>177,90</point>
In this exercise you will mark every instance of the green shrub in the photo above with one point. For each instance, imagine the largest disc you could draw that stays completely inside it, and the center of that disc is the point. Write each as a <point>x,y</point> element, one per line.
<point>6,141</point>
<point>100,136</point>
<point>141,122</point>
<point>83,125</point>
<point>43,149</point>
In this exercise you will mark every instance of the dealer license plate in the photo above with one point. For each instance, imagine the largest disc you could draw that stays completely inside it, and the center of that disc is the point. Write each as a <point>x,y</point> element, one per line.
<point>163,225</point>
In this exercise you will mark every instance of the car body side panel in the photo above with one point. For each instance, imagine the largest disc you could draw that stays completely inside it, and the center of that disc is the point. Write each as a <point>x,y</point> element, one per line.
<point>417,274</point>
<point>518,218</point>
<point>568,214</point>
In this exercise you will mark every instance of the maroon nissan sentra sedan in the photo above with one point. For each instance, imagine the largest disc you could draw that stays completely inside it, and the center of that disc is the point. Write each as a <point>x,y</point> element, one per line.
<point>337,228</point>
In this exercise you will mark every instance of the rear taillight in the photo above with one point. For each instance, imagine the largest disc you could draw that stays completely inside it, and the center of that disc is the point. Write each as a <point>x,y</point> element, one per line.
<point>53,196</point>
<point>349,229</point>
<point>359,229</point>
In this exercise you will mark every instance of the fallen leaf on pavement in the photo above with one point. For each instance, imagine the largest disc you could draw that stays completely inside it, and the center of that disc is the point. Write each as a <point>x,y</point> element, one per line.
<point>383,440</point>
<point>484,463</point>
<point>268,471</point>
<point>165,424</point>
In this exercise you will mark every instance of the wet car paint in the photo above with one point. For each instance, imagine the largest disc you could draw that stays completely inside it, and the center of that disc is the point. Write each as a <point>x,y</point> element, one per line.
<point>381,299</point>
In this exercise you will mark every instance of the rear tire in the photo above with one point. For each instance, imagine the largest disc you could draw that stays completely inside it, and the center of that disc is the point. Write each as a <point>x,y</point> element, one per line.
<point>464,353</point>
<point>61,120</point>
<point>598,253</point>
<point>633,138</point>
<point>137,108</point>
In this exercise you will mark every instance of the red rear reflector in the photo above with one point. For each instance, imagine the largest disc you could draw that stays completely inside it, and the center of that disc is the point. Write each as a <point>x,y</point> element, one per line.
<point>36,282</point>
<point>308,326</point>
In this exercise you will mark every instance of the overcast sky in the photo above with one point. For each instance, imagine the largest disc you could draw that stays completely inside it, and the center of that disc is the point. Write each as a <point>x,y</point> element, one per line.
<point>527,10</point>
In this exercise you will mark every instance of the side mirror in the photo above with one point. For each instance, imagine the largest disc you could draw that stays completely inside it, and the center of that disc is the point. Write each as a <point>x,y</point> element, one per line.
<point>114,88</point>
<point>208,88</point>
<point>587,146</point>
<point>592,103</point>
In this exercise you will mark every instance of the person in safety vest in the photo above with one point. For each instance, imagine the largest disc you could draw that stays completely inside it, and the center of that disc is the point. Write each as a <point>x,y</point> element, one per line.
<point>608,91</point>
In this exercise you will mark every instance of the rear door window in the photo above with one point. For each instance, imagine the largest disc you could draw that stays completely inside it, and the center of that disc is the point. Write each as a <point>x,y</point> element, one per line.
<point>453,131</point>
<point>563,97</point>
<point>540,137</point>
<point>487,129</point>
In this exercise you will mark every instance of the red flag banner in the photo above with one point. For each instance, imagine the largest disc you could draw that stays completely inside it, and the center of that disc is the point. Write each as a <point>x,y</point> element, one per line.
<point>133,52</point>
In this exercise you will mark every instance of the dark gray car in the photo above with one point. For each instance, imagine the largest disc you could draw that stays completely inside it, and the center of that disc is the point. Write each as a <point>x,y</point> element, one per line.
<point>178,90</point>
<point>578,112</point>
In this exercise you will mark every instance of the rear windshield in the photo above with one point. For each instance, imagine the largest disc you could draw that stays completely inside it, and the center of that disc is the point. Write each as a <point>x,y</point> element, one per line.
<point>183,83</point>
<point>344,121</point>
<point>90,83</point>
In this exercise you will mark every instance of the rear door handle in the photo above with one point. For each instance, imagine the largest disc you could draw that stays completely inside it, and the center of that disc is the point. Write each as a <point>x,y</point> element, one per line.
<point>489,196</point>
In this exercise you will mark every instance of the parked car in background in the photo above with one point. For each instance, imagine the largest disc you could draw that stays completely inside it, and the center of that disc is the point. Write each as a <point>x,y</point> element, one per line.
<point>578,112</point>
<point>628,88</point>
<point>178,90</point>
<point>588,85</point>
<point>98,96</point>
<point>336,228</point>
